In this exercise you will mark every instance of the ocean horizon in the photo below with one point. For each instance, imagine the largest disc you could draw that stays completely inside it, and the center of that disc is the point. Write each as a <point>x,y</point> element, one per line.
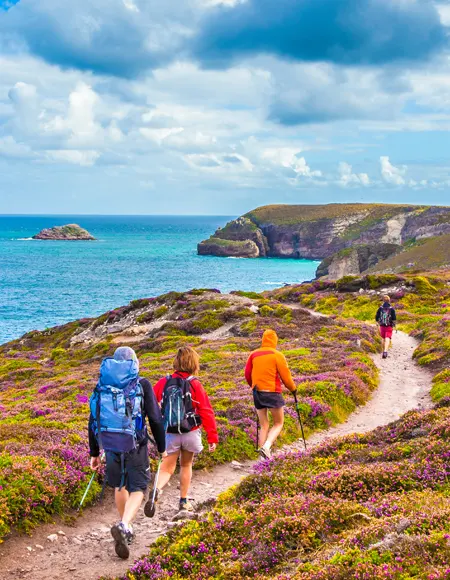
<point>46,283</point>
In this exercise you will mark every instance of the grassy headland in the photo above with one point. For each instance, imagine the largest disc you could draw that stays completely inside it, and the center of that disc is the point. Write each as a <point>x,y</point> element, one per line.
<point>372,506</point>
<point>47,378</point>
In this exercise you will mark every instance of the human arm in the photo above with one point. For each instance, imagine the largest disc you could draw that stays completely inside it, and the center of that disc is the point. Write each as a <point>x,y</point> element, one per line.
<point>94,450</point>
<point>202,406</point>
<point>284,372</point>
<point>377,315</point>
<point>153,414</point>
<point>248,371</point>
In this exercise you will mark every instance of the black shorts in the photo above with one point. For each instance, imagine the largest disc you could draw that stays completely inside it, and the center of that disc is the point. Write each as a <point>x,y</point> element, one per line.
<point>137,469</point>
<point>265,400</point>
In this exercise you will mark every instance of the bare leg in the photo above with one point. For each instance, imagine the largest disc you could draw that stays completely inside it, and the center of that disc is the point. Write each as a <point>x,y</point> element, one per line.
<point>186,460</point>
<point>167,469</point>
<point>121,498</point>
<point>278,422</point>
<point>132,506</point>
<point>263,426</point>
<point>383,345</point>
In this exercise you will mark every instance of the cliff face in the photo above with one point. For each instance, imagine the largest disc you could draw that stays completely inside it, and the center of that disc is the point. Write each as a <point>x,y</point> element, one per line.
<point>356,260</point>
<point>317,232</point>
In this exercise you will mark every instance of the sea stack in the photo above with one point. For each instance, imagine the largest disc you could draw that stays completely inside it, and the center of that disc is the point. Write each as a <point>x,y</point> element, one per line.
<point>69,232</point>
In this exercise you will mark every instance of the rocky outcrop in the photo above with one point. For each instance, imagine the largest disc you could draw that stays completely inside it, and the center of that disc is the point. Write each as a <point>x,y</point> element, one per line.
<point>318,232</point>
<point>69,232</point>
<point>355,261</point>
<point>228,248</point>
<point>239,238</point>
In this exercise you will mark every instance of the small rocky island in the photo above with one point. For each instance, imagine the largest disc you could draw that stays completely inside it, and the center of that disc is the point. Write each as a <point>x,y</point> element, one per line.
<point>69,232</point>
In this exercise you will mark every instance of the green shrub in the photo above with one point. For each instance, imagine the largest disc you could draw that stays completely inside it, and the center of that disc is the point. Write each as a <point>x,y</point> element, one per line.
<point>423,286</point>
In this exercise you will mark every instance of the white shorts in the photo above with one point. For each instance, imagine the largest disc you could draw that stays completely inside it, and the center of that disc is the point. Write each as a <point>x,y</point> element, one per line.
<point>191,441</point>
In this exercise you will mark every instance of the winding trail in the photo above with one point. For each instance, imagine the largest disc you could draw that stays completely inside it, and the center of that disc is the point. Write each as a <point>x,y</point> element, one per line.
<point>85,551</point>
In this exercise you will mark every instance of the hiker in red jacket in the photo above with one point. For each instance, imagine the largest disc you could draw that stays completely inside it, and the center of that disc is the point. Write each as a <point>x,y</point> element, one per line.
<point>183,431</point>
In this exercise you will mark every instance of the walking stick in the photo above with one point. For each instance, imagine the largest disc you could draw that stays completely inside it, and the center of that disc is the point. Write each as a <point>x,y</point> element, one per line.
<point>151,509</point>
<point>87,490</point>
<point>257,432</point>
<point>299,418</point>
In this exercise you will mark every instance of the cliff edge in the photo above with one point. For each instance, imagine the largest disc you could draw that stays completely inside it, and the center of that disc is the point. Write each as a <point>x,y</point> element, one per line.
<point>317,232</point>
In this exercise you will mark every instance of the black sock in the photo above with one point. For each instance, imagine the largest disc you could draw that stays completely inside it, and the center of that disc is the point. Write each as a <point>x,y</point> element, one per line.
<point>183,499</point>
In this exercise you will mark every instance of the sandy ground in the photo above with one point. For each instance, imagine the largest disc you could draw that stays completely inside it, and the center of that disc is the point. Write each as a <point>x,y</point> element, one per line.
<point>85,551</point>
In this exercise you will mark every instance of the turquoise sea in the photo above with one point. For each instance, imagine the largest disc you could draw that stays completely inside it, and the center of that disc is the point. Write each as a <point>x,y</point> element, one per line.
<point>44,283</point>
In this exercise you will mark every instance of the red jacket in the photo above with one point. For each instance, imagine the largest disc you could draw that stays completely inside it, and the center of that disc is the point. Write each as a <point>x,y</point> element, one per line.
<point>201,404</point>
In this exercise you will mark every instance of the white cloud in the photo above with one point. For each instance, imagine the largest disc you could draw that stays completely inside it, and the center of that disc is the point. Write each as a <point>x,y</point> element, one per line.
<point>289,159</point>
<point>130,5</point>
<point>73,156</point>
<point>229,164</point>
<point>11,149</point>
<point>25,102</point>
<point>391,174</point>
<point>159,135</point>
<point>347,177</point>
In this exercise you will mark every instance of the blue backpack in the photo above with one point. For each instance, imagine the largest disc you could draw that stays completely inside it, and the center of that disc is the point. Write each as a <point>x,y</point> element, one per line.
<point>117,406</point>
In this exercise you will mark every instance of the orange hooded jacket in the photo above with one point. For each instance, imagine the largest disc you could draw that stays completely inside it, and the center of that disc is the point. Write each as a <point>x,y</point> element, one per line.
<point>267,368</point>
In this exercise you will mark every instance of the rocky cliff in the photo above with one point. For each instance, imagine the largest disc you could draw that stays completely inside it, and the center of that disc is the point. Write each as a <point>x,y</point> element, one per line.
<point>356,260</point>
<point>68,232</point>
<point>320,231</point>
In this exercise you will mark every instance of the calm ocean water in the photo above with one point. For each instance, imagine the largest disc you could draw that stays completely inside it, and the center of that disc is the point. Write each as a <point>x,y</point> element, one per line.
<point>46,283</point>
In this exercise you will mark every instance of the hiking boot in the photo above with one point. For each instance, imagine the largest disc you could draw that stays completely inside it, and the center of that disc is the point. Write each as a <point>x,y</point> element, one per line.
<point>150,506</point>
<point>186,506</point>
<point>385,354</point>
<point>122,538</point>
<point>265,453</point>
<point>130,535</point>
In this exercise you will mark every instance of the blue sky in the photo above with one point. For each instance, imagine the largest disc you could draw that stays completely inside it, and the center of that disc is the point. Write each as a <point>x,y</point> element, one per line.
<point>218,106</point>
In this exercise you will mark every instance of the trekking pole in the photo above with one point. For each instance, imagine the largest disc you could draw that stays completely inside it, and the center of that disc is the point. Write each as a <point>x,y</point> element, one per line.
<point>87,490</point>
<point>257,432</point>
<point>102,458</point>
<point>150,512</point>
<point>299,418</point>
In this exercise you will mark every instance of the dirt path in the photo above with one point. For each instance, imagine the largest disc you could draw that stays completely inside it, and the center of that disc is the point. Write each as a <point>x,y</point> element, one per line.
<point>403,386</point>
<point>85,552</point>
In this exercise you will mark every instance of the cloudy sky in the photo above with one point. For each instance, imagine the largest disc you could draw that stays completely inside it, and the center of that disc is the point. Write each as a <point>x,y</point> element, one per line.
<point>218,106</point>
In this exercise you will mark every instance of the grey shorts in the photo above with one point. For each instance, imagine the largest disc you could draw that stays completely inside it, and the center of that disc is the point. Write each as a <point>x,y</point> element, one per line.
<point>191,441</point>
<point>265,400</point>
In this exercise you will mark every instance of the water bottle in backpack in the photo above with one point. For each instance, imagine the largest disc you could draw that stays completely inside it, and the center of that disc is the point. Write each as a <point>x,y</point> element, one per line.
<point>117,406</point>
<point>177,408</point>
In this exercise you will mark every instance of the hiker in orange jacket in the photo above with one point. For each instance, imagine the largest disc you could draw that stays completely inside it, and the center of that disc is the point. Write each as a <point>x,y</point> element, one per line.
<point>265,371</point>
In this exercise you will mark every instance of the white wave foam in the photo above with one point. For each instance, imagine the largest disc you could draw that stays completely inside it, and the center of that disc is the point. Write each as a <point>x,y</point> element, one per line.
<point>23,239</point>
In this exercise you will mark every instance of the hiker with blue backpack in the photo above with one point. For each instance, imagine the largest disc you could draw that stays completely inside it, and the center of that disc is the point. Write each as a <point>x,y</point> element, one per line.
<point>386,318</point>
<point>186,409</point>
<point>120,404</point>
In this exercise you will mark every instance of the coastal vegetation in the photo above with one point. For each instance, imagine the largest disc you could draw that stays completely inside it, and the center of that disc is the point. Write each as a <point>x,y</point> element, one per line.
<point>373,506</point>
<point>47,378</point>
<point>361,506</point>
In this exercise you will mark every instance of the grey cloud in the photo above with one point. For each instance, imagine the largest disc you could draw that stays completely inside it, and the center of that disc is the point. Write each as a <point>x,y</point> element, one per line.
<point>351,32</point>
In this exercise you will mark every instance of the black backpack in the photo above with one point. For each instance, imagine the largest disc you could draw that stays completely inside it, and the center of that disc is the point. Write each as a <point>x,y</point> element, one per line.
<point>177,408</point>
<point>386,316</point>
